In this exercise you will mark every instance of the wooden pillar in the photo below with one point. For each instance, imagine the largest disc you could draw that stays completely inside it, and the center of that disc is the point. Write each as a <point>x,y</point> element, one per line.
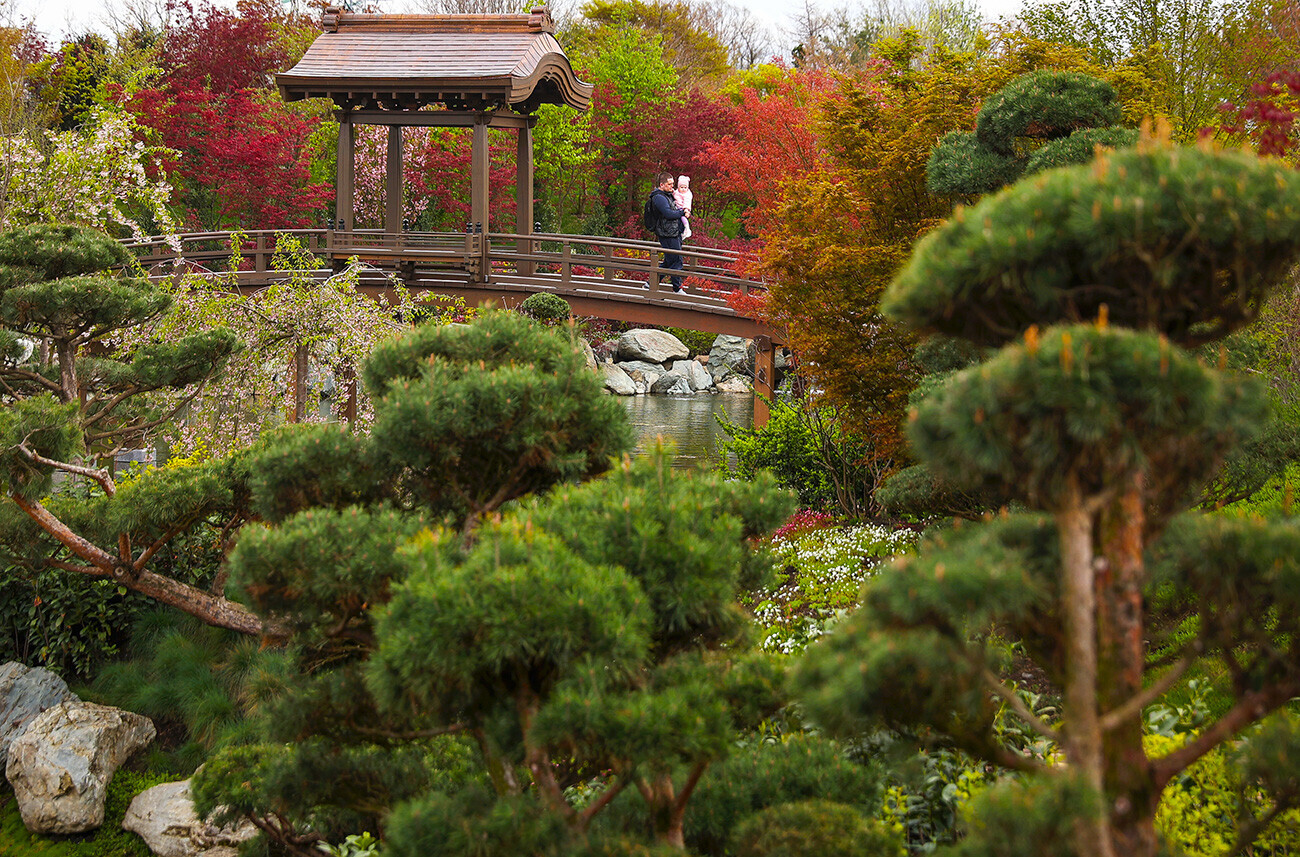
<point>345,175</point>
<point>478,172</point>
<point>524,195</point>
<point>393,181</point>
<point>764,378</point>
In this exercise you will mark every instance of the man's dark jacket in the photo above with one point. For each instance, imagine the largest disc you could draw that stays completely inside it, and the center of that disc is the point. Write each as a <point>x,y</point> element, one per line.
<point>669,222</point>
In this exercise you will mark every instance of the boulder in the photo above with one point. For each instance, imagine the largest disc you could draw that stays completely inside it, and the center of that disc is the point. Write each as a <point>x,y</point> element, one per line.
<point>606,351</point>
<point>60,767</point>
<point>672,384</point>
<point>589,353</point>
<point>643,378</point>
<point>655,369</point>
<point>164,818</point>
<point>25,693</point>
<point>616,380</point>
<point>695,374</point>
<point>654,346</point>
<point>731,355</point>
<point>734,384</point>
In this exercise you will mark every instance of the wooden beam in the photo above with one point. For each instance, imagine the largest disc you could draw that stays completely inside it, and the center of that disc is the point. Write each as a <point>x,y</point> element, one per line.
<point>439,118</point>
<point>478,181</point>
<point>764,378</point>
<point>524,196</point>
<point>393,181</point>
<point>344,176</point>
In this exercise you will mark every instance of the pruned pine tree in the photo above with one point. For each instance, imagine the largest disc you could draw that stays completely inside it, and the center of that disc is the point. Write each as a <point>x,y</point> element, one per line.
<point>72,399</point>
<point>1038,121</point>
<point>589,621</point>
<point>1105,428</point>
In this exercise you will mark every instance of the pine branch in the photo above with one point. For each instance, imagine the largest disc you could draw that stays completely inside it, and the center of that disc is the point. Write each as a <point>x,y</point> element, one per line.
<point>1116,717</point>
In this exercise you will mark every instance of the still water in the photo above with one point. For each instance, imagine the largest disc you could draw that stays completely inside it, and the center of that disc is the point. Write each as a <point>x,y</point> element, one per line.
<point>687,421</point>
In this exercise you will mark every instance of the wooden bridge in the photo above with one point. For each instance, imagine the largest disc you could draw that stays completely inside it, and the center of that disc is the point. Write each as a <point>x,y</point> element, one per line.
<point>598,276</point>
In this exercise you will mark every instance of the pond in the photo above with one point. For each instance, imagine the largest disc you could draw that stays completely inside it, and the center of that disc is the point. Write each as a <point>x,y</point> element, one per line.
<point>687,421</point>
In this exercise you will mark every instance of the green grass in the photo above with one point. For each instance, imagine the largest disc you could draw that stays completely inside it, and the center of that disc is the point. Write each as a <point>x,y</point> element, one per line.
<point>820,573</point>
<point>110,840</point>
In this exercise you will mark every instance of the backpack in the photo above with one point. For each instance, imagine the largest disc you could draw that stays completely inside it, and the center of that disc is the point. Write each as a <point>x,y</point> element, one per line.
<point>650,218</point>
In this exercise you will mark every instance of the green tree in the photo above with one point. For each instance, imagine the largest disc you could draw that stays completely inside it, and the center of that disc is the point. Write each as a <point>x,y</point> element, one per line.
<point>1068,114</point>
<point>1107,429</point>
<point>71,398</point>
<point>596,622</point>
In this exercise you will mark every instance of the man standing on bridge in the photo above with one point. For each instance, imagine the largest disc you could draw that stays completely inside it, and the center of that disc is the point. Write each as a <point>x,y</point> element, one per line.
<point>667,225</point>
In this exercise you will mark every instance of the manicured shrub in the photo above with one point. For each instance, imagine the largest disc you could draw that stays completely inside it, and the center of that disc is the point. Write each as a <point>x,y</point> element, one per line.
<point>820,827</point>
<point>547,308</point>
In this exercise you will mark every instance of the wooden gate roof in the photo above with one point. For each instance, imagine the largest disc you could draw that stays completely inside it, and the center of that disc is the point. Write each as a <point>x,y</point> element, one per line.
<point>404,62</point>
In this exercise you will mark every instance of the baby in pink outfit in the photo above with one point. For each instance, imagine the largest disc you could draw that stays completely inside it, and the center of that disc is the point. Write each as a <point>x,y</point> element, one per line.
<point>682,196</point>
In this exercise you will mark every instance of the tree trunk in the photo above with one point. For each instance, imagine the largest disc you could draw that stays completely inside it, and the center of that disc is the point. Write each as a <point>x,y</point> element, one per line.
<point>665,816</point>
<point>213,609</point>
<point>1082,730</point>
<point>1130,791</point>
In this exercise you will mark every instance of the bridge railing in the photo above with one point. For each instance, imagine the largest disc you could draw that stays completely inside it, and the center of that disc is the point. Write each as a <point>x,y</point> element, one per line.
<point>214,250</point>
<point>578,259</point>
<point>565,264</point>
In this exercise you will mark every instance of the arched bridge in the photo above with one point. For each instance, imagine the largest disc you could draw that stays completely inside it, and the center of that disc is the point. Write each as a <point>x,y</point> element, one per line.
<point>598,276</point>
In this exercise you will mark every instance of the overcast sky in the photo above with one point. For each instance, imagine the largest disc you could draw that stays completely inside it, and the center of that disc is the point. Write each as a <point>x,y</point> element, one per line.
<point>56,18</point>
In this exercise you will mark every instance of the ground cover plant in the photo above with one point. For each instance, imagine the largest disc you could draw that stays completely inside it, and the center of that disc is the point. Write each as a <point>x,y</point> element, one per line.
<point>1105,429</point>
<point>821,566</point>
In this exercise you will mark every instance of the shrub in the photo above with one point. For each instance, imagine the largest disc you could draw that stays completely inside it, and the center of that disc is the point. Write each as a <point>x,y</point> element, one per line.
<point>820,827</point>
<point>547,308</point>
<point>698,341</point>
<point>808,452</point>
<point>764,775</point>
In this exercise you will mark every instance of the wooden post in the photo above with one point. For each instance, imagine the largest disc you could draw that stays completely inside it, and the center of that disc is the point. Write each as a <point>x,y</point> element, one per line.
<point>478,172</point>
<point>764,378</point>
<point>393,182</point>
<point>345,176</point>
<point>524,196</point>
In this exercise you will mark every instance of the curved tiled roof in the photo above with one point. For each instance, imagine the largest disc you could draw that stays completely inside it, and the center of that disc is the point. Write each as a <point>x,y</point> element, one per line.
<point>408,61</point>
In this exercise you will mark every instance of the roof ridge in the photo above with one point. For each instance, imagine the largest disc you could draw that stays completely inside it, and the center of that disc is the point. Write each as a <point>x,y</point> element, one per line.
<point>537,20</point>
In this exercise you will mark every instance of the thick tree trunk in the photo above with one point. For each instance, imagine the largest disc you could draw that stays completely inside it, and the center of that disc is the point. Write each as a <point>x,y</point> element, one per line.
<point>1130,790</point>
<point>665,815</point>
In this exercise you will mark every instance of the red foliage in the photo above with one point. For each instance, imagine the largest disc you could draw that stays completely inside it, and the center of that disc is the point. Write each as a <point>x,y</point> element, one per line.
<point>243,158</point>
<point>207,47</point>
<point>440,173</point>
<point>1268,120</point>
<point>774,144</point>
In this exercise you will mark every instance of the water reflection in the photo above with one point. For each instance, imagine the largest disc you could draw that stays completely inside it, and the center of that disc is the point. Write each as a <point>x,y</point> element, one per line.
<point>688,421</point>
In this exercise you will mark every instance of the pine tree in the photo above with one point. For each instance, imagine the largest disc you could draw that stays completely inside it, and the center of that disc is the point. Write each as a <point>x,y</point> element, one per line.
<point>71,399</point>
<point>1105,428</point>
<point>460,572</point>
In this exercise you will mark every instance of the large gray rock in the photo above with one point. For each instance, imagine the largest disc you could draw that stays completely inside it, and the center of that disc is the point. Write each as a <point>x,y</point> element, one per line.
<point>672,384</point>
<point>695,374</point>
<point>589,353</point>
<point>731,355</point>
<point>616,380</point>
<point>164,818</point>
<point>654,346</point>
<point>60,766</point>
<point>643,366</point>
<point>25,693</point>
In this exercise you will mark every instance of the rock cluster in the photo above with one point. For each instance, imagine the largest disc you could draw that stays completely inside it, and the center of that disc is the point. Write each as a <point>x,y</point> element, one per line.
<point>60,753</point>
<point>654,361</point>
